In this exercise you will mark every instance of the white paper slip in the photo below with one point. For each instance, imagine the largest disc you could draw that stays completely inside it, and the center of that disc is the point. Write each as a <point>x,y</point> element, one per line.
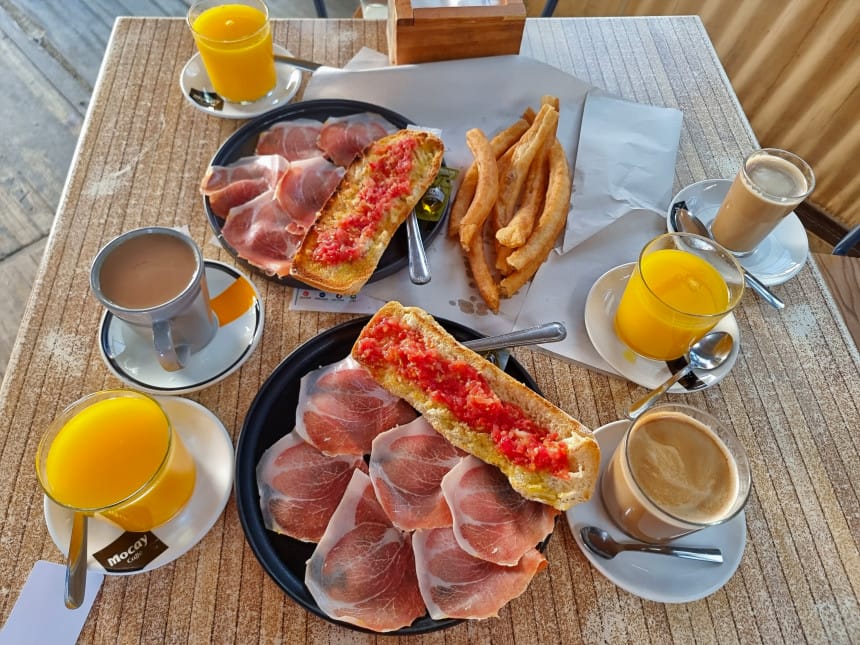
<point>308,299</point>
<point>40,615</point>
<point>626,160</point>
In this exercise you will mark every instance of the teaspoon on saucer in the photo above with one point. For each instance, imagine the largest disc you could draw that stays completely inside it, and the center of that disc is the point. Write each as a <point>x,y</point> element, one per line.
<point>602,544</point>
<point>707,353</point>
<point>76,563</point>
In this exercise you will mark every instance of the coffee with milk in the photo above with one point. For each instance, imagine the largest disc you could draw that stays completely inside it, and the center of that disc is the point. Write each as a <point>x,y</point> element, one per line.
<point>672,474</point>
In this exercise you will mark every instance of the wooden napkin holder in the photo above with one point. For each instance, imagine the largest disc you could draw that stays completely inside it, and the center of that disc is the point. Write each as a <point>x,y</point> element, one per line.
<point>425,34</point>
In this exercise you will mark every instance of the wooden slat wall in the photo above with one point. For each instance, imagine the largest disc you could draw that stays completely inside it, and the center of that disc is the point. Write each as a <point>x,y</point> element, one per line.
<point>795,67</point>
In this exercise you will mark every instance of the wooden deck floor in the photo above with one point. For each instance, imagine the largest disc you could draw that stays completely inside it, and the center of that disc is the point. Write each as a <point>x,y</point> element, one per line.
<point>51,52</point>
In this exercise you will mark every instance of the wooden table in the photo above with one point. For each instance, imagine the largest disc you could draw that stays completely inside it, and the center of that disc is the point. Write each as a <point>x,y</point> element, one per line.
<point>793,396</point>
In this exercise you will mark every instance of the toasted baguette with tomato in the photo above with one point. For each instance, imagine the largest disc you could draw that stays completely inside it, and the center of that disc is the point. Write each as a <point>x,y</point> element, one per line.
<point>547,455</point>
<point>342,248</point>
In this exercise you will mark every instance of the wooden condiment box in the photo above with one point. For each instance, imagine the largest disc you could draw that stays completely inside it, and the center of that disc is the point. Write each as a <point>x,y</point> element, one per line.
<point>422,34</point>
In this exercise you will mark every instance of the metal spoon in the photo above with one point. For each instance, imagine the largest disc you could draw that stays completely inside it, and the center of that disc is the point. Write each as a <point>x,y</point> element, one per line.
<point>76,563</point>
<point>213,101</point>
<point>602,544</point>
<point>708,353</point>
<point>684,220</point>
<point>546,333</point>
<point>419,267</point>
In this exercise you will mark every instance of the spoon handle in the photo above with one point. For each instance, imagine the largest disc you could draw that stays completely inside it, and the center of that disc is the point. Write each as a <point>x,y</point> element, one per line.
<point>546,333</point>
<point>703,554</point>
<point>761,289</point>
<point>650,399</point>
<point>307,65</point>
<point>76,566</point>
<point>419,267</point>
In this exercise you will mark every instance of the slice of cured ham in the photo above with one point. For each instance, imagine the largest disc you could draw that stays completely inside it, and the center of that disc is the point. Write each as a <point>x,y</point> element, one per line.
<point>306,186</point>
<point>241,181</point>
<point>343,138</point>
<point>294,140</point>
<point>363,569</point>
<point>341,409</point>
<point>263,233</point>
<point>455,584</point>
<point>300,487</point>
<point>491,520</point>
<point>407,464</point>
<point>268,167</point>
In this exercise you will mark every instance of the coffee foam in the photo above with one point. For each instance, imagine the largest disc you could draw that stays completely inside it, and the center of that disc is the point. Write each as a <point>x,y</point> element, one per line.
<point>683,468</point>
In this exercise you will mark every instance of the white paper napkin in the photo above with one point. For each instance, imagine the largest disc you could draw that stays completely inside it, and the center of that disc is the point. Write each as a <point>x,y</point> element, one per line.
<point>623,154</point>
<point>455,96</point>
<point>626,161</point>
<point>40,615</point>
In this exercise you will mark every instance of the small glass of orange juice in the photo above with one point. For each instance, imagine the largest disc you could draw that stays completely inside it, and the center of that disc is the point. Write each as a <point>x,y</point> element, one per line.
<point>115,454</point>
<point>235,42</point>
<point>681,287</point>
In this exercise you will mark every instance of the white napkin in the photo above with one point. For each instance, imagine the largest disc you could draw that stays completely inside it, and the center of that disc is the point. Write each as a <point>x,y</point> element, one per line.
<point>452,96</point>
<point>624,167</point>
<point>455,96</point>
<point>626,161</point>
<point>40,615</point>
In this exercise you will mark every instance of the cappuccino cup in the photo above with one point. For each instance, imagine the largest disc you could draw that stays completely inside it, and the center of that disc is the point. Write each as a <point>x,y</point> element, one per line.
<point>677,470</point>
<point>154,279</point>
<point>768,186</point>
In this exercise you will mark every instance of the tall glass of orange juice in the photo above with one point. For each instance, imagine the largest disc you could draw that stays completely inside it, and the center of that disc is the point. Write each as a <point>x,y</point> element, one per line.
<point>681,287</point>
<point>115,454</point>
<point>235,42</point>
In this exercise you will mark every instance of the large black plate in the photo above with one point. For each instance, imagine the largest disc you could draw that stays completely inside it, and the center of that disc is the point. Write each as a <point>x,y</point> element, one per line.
<point>272,414</point>
<point>243,142</point>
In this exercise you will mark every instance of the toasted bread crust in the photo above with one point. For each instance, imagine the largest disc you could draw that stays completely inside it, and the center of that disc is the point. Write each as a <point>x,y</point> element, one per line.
<point>347,276</point>
<point>542,486</point>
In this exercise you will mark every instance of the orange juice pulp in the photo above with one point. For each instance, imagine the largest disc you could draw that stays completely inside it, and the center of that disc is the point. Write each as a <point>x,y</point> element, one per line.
<point>235,43</point>
<point>110,450</point>
<point>691,295</point>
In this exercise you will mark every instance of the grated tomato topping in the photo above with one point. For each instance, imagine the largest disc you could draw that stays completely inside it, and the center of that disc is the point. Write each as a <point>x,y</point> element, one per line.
<point>466,393</point>
<point>387,180</point>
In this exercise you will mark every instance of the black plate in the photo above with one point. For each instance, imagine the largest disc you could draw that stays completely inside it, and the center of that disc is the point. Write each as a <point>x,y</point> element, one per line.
<point>243,142</point>
<point>273,413</point>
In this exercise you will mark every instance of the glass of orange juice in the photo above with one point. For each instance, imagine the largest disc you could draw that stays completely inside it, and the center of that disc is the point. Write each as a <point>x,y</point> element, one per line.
<point>681,287</point>
<point>115,454</point>
<point>235,42</point>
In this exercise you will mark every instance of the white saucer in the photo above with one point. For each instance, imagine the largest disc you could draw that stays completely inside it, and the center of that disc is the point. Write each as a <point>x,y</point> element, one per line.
<point>778,258</point>
<point>133,359</point>
<point>600,306</point>
<point>210,446</point>
<point>657,577</point>
<point>289,79</point>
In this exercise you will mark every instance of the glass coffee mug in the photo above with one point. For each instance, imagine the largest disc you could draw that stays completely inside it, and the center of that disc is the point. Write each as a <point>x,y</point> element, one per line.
<point>154,279</point>
<point>769,184</point>
<point>235,42</point>
<point>681,287</point>
<point>677,470</point>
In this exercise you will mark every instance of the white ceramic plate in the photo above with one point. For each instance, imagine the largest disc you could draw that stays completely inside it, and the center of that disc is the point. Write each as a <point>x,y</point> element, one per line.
<point>132,358</point>
<point>778,258</point>
<point>600,307</point>
<point>657,577</point>
<point>209,444</point>
<point>194,76</point>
